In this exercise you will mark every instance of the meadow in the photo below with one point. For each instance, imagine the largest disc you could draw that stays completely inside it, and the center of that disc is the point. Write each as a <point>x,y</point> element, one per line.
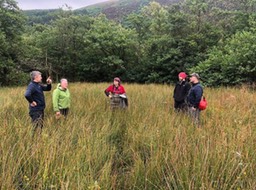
<point>148,146</point>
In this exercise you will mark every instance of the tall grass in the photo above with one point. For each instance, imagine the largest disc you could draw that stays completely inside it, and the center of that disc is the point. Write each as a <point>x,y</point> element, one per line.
<point>148,146</point>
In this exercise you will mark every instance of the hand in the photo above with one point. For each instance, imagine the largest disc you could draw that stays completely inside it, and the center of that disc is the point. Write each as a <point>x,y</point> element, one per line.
<point>110,96</point>
<point>57,115</point>
<point>194,109</point>
<point>49,80</point>
<point>33,104</point>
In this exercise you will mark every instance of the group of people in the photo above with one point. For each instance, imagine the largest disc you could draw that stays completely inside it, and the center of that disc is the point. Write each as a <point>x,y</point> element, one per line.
<point>35,96</point>
<point>186,97</point>
<point>61,98</point>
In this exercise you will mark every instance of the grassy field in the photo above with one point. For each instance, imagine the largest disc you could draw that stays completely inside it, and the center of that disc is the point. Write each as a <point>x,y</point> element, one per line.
<point>147,146</point>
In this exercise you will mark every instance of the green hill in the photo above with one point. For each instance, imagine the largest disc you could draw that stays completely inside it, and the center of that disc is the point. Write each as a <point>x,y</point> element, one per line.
<point>117,9</point>
<point>113,9</point>
<point>42,16</point>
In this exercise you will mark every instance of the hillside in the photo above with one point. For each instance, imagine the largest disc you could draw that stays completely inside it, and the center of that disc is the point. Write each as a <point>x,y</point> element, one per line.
<point>117,9</point>
<point>40,16</point>
<point>113,9</point>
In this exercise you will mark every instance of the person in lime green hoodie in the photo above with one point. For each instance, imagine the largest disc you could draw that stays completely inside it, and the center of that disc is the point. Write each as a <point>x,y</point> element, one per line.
<point>61,99</point>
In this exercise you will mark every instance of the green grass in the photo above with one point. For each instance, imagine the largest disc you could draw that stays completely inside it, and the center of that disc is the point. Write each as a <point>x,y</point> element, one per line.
<point>147,146</point>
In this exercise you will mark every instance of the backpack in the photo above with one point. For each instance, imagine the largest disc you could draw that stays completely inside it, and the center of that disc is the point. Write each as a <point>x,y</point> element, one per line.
<point>203,104</point>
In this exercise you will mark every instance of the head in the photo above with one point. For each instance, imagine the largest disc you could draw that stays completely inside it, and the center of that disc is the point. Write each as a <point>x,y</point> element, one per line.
<point>194,78</point>
<point>36,76</point>
<point>117,81</point>
<point>64,83</point>
<point>182,76</point>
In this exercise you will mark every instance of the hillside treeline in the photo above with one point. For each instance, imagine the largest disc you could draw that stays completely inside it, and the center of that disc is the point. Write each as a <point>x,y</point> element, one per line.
<point>217,39</point>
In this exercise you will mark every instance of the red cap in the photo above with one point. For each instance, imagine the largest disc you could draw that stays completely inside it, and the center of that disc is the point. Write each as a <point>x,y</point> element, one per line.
<point>182,75</point>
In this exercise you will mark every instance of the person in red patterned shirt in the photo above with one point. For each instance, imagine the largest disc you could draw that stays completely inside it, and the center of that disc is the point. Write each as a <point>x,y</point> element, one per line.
<point>115,89</point>
<point>117,94</point>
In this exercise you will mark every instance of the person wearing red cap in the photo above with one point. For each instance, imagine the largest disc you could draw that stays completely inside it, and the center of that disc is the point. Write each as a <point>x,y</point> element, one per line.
<point>180,92</point>
<point>116,93</point>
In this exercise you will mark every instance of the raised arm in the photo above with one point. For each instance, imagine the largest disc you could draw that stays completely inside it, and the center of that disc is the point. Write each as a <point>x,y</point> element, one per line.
<point>47,87</point>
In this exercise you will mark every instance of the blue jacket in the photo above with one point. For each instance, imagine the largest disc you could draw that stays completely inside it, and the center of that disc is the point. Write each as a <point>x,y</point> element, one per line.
<point>195,95</point>
<point>35,93</point>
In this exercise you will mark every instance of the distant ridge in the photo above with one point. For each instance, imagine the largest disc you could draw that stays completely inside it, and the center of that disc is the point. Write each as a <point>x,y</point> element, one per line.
<point>113,9</point>
<point>117,9</point>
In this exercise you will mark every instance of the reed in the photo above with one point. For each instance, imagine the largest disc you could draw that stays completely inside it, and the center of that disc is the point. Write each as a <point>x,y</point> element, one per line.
<point>147,146</point>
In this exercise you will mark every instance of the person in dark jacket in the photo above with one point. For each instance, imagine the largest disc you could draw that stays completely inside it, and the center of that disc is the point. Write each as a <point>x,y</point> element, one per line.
<point>35,96</point>
<point>194,98</point>
<point>117,94</point>
<point>180,92</point>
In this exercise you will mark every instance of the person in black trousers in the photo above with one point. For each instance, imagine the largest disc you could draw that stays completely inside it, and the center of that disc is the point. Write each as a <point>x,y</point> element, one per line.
<point>35,96</point>
<point>180,92</point>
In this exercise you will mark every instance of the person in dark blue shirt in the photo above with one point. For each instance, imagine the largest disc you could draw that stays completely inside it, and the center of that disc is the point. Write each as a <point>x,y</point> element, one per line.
<point>194,97</point>
<point>35,96</point>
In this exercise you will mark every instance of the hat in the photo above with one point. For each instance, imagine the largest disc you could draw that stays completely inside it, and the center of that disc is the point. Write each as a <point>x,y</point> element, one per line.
<point>196,75</point>
<point>117,79</point>
<point>182,75</point>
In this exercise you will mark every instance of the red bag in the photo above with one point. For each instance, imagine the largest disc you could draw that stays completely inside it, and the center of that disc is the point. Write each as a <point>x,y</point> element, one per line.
<point>203,104</point>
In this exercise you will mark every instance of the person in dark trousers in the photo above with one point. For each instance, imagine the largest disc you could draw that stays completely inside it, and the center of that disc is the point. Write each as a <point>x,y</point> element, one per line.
<point>117,94</point>
<point>180,92</point>
<point>61,99</point>
<point>35,96</point>
<point>194,98</point>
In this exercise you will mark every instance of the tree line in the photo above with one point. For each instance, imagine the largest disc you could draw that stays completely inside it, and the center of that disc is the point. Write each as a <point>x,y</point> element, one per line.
<point>215,38</point>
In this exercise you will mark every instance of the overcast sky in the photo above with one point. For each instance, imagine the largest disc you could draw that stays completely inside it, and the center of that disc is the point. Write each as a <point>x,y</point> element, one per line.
<point>54,4</point>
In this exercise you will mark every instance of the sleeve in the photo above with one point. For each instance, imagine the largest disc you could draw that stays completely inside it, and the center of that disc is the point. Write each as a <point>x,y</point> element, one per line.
<point>174,91</point>
<point>198,94</point>
<point>108,90</point>
<point>122,90</point>
<point>188,87</point>
<point>55,98</point>
<point>28,93</point>
<point>47,87</point>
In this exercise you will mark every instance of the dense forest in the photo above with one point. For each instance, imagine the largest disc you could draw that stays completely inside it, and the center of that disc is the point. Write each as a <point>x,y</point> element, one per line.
<point>215,38</point>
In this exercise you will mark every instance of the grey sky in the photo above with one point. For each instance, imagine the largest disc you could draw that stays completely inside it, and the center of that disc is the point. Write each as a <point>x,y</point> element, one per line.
<point>53,4</point>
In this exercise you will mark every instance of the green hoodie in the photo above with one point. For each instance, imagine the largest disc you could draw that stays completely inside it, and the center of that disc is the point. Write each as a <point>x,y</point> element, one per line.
<point>60,98</point>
